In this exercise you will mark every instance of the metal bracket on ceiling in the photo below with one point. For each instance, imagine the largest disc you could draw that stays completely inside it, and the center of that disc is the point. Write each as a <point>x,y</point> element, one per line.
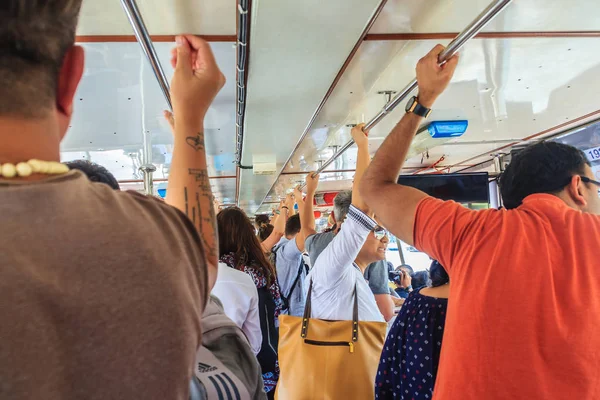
<point>388,94</point>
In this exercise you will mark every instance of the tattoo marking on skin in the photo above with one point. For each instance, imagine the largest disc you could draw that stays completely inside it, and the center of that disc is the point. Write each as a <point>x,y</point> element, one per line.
<point>186,201</point>
<point>196,142</point>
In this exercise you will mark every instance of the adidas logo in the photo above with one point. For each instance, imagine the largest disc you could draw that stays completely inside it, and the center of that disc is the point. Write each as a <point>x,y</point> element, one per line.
<point>204,368</point>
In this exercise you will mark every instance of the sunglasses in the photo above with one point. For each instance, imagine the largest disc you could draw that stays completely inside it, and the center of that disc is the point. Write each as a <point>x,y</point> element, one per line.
<point>379,233</point>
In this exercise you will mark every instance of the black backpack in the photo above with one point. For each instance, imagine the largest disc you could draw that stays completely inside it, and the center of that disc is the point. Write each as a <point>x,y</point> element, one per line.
<point>301,268</point>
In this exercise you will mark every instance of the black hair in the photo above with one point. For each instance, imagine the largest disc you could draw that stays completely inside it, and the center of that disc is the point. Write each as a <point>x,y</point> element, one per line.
<point>95,172</point>
<point>410,269</point>
<point>35,37</point>
<point>438,274</point>
<point>261,219</point>
<point>421,279</point>
<point>265,231</point>
<point>545,167</point>
<point>292,225</point>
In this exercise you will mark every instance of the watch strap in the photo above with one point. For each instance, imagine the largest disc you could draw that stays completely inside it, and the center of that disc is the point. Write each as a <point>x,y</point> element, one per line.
<point>418,109</point>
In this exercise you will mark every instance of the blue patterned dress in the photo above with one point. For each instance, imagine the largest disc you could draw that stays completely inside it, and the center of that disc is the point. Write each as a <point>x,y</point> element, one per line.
<point>410,357</point>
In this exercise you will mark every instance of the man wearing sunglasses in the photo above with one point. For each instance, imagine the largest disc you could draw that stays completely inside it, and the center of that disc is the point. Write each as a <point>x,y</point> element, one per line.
<point>341,266</point>
<point>516,329</point>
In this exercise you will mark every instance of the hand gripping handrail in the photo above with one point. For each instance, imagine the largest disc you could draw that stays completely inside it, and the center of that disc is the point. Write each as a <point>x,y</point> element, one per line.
<point>471,30</point>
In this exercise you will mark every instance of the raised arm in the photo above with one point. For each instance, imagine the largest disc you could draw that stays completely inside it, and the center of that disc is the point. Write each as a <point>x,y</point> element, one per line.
<point>363,159</point>
<point>395,205</point>
<point>306,208</point>
<point>278,228</point>
<point>196,82</point>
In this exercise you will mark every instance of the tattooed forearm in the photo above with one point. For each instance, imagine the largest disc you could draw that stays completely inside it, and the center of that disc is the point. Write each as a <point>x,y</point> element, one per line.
<point>196,142</point>
<point>205,215</point>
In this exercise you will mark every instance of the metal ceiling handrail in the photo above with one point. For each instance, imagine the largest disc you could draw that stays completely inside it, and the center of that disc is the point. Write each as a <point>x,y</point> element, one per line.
<point>471,30</point>
<point>143,37</point>
<point>241,76</point>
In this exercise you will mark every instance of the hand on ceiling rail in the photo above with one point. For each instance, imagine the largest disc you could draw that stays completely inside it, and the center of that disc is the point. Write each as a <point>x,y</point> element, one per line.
<point>471,30</point>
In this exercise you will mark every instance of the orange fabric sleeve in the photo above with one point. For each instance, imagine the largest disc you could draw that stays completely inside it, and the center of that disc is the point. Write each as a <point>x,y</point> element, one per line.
<point>441,229</point>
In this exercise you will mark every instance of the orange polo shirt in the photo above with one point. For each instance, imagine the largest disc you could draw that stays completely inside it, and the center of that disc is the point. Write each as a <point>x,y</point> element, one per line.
<point>524,311</point>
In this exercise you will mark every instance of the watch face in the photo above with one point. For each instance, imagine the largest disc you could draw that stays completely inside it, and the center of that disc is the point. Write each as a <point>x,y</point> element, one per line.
<point>410,103</point>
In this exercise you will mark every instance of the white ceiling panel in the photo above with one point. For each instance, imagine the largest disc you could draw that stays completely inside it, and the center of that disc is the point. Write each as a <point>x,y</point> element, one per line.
<point>435,16</point>
<point>119,101</point>
<point>508,89</point>
<point>206,17</point>
<point>296,50</point>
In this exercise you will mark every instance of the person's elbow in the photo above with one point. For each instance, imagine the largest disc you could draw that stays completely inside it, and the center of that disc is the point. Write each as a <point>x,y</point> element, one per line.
<point>367,189</point>
<point>385,305</point>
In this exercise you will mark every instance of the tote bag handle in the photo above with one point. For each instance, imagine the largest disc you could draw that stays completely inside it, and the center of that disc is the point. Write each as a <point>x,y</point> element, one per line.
<point>307,313</point>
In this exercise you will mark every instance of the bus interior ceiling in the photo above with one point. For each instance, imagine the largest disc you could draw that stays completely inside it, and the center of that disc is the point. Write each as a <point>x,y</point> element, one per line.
<point>316,67</point>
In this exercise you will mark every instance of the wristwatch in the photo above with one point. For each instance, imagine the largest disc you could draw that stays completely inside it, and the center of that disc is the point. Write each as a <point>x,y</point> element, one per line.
<point>414,107</point>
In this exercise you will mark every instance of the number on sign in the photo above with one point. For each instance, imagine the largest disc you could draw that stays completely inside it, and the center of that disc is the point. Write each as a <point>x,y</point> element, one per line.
<point>593,154</point>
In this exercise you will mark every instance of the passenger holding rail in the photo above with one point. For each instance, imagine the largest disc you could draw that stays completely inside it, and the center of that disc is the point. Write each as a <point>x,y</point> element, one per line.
<point>516,329</point>
<point>340,267</point>
<point>101,291</point>
<point>375,273</point>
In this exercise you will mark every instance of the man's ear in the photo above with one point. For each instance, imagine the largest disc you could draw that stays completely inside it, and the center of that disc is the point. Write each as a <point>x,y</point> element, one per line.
<point>69,77</point>
<point>576,192</point>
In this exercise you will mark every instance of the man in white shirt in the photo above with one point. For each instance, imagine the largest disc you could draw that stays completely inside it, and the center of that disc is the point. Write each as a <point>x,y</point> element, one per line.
<point>237,292</point>
<point>340,267</point>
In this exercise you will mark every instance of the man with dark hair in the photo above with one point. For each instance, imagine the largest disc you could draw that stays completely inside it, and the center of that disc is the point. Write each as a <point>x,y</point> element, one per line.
<point>292,225</point>
<point>101,291</point>
<point>289,263</point>
<point>516,328</point>
<point>546,167</point>
<point>95,172</point>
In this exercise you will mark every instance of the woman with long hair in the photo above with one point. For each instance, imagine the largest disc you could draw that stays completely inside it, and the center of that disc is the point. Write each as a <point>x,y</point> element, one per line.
<point>409,361</point>
<point>240,249</point>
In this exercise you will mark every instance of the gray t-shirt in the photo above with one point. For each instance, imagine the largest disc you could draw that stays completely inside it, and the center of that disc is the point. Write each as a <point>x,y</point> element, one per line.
<point>100,292</point>
<point>376,274</point>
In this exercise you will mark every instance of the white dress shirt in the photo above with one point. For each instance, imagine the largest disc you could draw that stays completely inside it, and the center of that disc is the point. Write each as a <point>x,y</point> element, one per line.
<point>237,292</point>
<point>335,275</point>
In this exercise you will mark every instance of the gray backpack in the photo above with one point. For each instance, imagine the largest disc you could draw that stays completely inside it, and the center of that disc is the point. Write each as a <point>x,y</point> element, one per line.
<point>226,368</point>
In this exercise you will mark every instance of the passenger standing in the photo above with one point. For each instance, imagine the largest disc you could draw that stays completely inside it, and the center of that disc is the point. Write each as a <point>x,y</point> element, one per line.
<point>99,289</point>
<point>404,280</point>
<point>95,172</point>
<point>516,329</point>
<point>238,295</point>
<point>338,273</point>
<point>410,357</point>
<point>279,220</point>
<point>239,249</point>
<point>376,273</point>
<point>291,270</point>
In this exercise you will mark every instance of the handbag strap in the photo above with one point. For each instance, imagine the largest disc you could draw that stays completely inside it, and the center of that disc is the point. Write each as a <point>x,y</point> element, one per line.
<point>307,313</point>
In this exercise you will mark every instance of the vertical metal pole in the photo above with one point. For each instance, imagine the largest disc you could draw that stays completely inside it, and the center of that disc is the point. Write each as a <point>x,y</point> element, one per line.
<point>141,33</point>
<point>401,252</point>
